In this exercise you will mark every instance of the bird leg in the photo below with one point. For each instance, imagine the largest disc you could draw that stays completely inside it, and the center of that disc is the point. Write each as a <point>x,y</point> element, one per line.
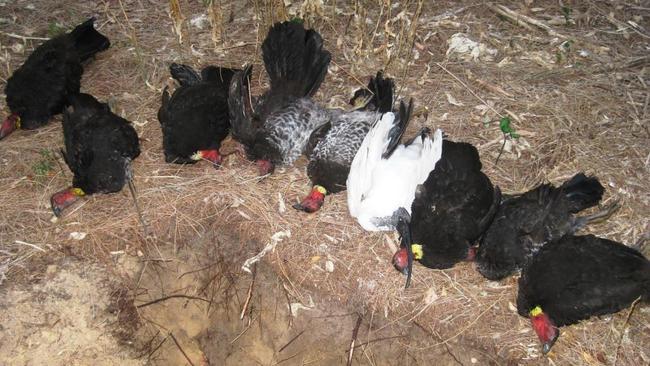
<point>602,215</point>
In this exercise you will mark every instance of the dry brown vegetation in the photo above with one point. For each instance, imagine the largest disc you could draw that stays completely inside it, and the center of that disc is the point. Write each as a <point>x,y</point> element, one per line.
<point>577,93</point>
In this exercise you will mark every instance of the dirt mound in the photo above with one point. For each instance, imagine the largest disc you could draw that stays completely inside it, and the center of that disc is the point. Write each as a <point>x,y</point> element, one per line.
<point>63,320</point>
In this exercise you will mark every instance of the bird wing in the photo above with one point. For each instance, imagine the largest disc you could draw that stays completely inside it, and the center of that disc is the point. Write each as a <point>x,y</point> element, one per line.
<point>396,179</point>
<point>240,108</point>
<point>184,74</point>
<point>317,136</point>
<point>364,162</point>
<point>429,156</point>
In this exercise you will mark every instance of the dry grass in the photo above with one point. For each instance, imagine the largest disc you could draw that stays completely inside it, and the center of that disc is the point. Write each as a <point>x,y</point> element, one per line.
<point>574,113</point>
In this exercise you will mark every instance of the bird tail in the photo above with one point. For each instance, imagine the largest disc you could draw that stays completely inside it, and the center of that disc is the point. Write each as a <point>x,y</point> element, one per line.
<point>83,106</point>
<point>377,96</point>
<point>455,154</point>
<point>240,106</point>
<point>295,60</point>
<point>218,75</point>
<point>184,74</point>
<point>87,40</point>
<point>582,192</point>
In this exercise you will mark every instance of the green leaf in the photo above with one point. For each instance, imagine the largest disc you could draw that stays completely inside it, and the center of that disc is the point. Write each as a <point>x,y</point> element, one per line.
<point>504,125</point>
<point>54,29</point>
<point>297,20</point>
<point>506,128</point>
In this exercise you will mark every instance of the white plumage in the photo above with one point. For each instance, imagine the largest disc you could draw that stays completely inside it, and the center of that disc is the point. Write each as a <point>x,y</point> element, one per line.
<point>378,187</point>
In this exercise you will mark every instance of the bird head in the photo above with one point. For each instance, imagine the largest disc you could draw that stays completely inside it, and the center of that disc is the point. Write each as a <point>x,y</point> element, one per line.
<point>65,198</point>
<point>9,125</point>
<point>313,201</point>
<point>212,156</point>
<point>265,166</point>
<point>400,258</point>
<point>404,257</point>
<point>546,331</point>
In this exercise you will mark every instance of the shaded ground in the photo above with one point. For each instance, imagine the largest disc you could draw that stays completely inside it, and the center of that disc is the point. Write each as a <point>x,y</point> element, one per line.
<point>218,321</point>
<point>578,97</point>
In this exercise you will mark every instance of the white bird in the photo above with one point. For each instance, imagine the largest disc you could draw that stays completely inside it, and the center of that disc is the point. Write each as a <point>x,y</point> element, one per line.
<point>385,174</point>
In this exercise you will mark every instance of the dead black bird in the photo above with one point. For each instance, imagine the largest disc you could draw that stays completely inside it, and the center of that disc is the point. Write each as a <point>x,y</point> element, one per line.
<point>523,224</point>
<point>99,148</point>
<point>195,118</point>
<point>39,88</point>
<point>332,146</point>
<point>274,128</point>
<point>451,210</point>
<point>577,277</point>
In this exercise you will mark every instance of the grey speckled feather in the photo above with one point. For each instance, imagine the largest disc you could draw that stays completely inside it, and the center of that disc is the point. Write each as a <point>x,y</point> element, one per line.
<point>345,136</point>
<point>290,127</point>
<point>332,147</point>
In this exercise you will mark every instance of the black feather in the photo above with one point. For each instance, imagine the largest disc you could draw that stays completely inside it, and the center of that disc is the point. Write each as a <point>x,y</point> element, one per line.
<point>576,277</point>
<point>196,117</point>
<point>40,87</point>
<point>523,224</point>
<point>240,108</point>
<point>277,126</point>
<point>379,93</point>
<point>453,207</point>
<point>99,145</point>
<point>399,127</point>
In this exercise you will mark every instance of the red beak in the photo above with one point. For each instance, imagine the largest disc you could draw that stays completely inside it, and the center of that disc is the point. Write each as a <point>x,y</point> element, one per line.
<point>313,202</point>
<point>63,199</point>
<point>400,261</point>
<point>265,167</point>
<point>546,331</point>
<point>9,125</point>
<point>212,156</point>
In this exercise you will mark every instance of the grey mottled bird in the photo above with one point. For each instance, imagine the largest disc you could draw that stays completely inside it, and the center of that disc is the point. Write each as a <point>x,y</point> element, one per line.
<point>332,146</point>
<point>274,128</point>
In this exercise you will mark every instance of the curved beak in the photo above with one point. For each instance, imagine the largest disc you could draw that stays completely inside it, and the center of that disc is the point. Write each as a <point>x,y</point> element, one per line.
<point>546,346</point>
<point>265,167</point>
<point>313,202</point>
<point>63,199</point>
<point>9,125</point>
<point>212,156</point>
<point>404,229</point>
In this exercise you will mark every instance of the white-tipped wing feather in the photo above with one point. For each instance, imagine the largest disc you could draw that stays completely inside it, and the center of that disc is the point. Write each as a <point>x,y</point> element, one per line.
<point>378,187</point>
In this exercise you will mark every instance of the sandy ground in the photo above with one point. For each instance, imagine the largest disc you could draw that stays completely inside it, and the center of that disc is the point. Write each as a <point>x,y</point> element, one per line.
<point>65,319</point>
